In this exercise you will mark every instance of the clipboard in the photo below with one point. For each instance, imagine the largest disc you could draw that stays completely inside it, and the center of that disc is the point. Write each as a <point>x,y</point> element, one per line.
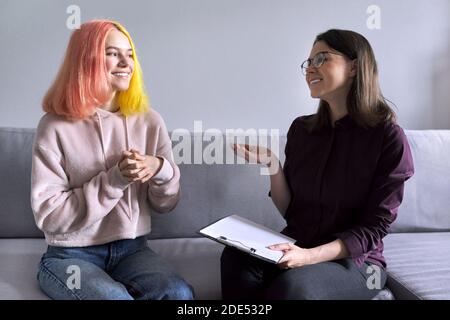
<point>247,236</point>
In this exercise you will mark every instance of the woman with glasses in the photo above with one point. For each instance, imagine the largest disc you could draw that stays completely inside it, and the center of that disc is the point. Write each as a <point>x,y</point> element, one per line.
<point>339,189</point>
<point>102,163</point>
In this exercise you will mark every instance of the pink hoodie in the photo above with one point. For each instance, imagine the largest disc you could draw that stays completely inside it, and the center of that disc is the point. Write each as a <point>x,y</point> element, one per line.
<point>78,195</point>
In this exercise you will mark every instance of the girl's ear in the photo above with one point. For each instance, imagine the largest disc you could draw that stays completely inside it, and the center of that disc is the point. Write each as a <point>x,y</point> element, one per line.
<point>353,68</point>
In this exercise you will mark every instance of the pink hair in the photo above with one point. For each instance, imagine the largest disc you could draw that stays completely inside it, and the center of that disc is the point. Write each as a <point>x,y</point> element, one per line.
<point>81,84</point>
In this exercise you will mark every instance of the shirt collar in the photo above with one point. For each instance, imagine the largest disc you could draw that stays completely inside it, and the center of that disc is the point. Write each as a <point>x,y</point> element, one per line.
<point>344,122</point>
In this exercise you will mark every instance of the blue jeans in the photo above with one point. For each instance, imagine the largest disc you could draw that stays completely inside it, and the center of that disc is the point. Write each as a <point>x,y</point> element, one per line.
<point>120,270</point>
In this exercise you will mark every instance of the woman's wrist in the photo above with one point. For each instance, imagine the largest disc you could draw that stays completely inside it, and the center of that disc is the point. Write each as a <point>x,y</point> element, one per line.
<point>333,250</point>
<point>314,255</point>
<point>160,163</point>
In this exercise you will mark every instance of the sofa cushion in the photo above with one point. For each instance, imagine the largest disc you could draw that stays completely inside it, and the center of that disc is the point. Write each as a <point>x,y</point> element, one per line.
<point>197,260</point>
<point>426,202</point>
<point>16,217</point>
<point>210,192</point>
<point>418,265</point>
<point>18,268</point>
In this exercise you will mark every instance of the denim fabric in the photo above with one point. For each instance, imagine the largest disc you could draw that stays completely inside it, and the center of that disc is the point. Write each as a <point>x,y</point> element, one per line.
<point>247,277</point>
<point>120,270</point>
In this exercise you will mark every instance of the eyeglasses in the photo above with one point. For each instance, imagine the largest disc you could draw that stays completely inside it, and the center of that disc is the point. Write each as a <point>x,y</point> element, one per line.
<point>317,61</point>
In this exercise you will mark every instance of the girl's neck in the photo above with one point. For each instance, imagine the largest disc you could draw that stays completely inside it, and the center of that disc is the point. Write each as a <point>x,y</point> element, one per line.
<point>111,105</point>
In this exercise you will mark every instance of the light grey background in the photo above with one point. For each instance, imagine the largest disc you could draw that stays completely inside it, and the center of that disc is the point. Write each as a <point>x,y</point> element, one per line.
<point>233,63</point>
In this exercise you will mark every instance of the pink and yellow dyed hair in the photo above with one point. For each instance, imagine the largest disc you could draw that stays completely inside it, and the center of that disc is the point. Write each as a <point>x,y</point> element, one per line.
<point>81,84</point>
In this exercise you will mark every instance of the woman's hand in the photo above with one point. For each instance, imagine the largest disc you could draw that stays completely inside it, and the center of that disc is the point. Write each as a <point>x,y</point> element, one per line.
<point>137,167</point>
<point>254,154</point>
<point>293,256</point>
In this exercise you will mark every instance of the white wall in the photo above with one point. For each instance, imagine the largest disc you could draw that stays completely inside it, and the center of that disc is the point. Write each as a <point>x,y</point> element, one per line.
<point>233,63</point>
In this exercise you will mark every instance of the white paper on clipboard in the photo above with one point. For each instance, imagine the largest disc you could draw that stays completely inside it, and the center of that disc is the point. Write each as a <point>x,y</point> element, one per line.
<point>247,236</point>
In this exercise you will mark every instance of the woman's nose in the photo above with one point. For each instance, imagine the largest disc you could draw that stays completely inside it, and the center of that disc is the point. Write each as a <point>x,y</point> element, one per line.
<point>123,62</point>
<point>311,69</point>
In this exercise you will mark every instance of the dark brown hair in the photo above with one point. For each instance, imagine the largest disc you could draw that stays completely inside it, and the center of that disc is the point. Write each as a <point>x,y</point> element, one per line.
<point>365,102</point>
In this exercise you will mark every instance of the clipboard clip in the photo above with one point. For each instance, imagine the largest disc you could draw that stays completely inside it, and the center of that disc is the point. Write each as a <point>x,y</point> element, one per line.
<point>253,250</point>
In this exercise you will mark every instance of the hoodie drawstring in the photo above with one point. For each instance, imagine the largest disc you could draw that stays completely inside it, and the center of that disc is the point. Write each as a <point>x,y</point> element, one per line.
<point>102,139</point>
<point>127,143</point>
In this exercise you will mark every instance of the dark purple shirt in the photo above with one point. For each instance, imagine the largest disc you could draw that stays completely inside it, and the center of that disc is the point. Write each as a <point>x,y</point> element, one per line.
<point>346,183</point>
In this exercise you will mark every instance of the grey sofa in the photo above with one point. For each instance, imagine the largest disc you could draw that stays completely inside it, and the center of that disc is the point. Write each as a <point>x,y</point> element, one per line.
<point>417,250</point>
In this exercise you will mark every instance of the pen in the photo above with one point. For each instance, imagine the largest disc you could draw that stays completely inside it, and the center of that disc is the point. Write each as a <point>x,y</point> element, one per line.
<point>226,239</point>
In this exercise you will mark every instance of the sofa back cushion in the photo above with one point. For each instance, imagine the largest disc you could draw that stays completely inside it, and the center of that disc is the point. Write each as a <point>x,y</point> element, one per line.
<point>210,192</point>
<point>426,201</point>
<point>16,217</point>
